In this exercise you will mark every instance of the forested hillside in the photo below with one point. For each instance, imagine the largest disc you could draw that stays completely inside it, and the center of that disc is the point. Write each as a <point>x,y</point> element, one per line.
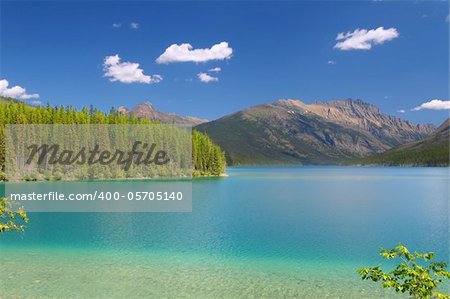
<point>433,150</point>
<point>208,158</point>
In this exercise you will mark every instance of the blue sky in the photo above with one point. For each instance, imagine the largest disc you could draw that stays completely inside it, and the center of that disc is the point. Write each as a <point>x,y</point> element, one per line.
<point>279,50</point>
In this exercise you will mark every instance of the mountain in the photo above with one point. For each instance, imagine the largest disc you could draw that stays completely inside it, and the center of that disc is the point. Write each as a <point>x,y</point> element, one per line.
<point>292,132</point>
<point>146,110</point>
<point>433,150</point>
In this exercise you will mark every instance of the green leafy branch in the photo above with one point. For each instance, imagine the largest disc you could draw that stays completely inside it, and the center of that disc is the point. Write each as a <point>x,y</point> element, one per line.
<point>416,274</point>
<point>12,218</point>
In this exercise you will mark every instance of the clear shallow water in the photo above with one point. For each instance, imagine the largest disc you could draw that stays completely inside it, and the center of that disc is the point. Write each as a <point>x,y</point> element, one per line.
<point>261,232</point>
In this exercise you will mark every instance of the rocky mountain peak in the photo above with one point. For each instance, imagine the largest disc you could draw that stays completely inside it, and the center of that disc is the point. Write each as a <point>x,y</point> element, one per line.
<point>350,105</point>
<point>144,106</point>
<point>147,110</point>
<point>291,131</point>
<point>122,110</point>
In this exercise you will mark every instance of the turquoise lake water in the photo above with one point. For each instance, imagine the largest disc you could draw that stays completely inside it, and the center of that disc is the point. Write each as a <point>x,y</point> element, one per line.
<point>272,232</point>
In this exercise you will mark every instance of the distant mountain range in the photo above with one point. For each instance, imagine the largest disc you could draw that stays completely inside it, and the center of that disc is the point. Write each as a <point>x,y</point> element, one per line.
<point>433,150</point>
<point>146,110</point>
<point>292,132</point>
<point>334,132</point>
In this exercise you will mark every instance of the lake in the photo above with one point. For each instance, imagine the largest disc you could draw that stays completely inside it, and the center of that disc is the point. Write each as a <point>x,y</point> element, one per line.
<point>271,232</point>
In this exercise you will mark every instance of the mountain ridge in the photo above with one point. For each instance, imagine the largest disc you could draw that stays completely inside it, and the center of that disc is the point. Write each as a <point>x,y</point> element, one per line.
<point>147,110</point>
<point>289,131</point>
<point>433,150</point>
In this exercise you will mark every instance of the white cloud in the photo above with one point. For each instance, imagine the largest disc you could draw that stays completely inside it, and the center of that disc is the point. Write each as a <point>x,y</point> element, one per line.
<point>16,92</point>
<point>433,105</point>
<point>29,96</point>
<point>134,25</point>
<point>36,102</point>
<point>126,72</point>
<point>401,111</point>
<point>215,69</point>
<point>205,78</point>
<point>332,62</point>
<point>186,53</point>
<point>363,39</point>
<point>117,25</point>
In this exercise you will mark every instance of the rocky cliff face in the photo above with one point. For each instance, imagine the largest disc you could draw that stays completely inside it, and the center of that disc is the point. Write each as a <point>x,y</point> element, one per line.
<point>356,113</point>
<point>146,110</point>
<point>292,132</point>
<point>433,150</point>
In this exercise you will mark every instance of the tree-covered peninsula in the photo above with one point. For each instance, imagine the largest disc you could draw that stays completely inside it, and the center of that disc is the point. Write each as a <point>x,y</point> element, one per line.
<point>207,157</point>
